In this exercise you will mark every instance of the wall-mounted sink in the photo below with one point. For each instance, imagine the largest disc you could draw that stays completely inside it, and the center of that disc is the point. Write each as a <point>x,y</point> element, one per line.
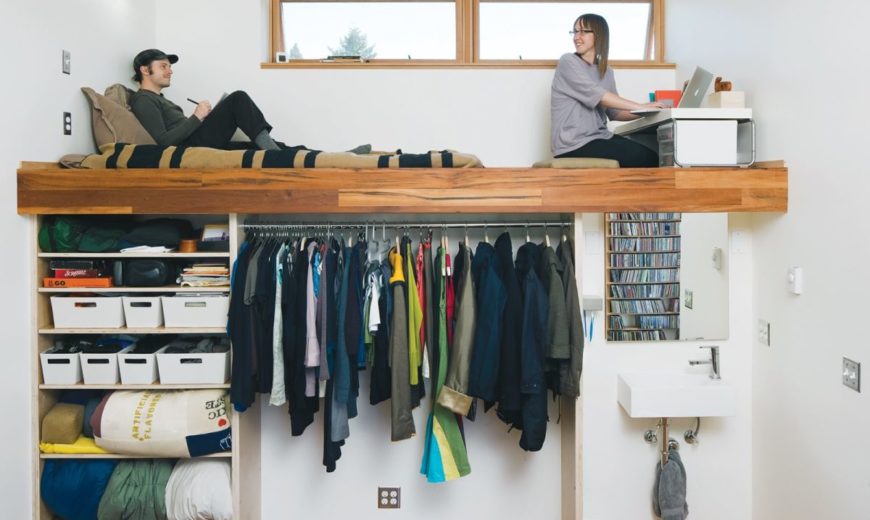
<point>672,394</point>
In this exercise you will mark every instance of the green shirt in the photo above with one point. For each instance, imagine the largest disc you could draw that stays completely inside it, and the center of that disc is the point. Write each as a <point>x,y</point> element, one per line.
<point>163,119</point>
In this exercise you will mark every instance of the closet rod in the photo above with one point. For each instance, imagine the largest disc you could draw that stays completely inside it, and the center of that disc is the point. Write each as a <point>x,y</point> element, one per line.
<point>409,225</point>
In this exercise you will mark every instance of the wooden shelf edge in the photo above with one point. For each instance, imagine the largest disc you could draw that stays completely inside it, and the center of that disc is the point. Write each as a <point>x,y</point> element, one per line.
<point>122,330</point>
<point>221,455</point>
<point>121,386</point>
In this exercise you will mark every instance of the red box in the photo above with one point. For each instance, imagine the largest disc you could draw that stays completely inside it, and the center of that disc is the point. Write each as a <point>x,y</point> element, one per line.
<point>673,95</point>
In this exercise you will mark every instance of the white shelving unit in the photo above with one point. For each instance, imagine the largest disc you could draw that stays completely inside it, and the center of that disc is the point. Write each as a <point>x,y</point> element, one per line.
<point>245,470</point>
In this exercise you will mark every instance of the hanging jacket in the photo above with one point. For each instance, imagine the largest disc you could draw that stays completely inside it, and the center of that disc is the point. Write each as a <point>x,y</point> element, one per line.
<point>569,373</point>
<point>550,273</point>
<point>238,329</point>
<point>444,451</point>
<point>279,394</point>
<point>485,356</point>
<point>510,400</point>
<point>532,346</point>
<point>415,315</point>
<point>402,422</point>
<point>454,393</point>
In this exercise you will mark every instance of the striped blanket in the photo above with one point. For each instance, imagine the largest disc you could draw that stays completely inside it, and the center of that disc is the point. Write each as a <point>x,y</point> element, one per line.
<point>119,155</point>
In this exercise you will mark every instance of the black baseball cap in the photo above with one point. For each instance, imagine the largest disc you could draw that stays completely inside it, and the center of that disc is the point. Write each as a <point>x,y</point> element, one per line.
<point>145,58</point>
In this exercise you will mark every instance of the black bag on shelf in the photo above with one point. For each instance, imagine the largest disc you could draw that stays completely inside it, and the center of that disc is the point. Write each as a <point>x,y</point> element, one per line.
<point>145,272</point>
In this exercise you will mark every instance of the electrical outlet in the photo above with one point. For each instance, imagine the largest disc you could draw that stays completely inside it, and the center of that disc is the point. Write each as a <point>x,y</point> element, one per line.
<point>852,374</point>
<point>389,497</point>
<point>764,332</point>
<point>67,123</point>
<point>66,61</point>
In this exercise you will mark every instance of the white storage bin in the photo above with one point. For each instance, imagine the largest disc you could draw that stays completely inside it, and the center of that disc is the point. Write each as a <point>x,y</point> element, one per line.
<point>195,311</point>
<point>143,312</point>
<point>101,369</point>
<point>61,369</point>
<point>198,368</point>
<point>85,313</point>
<point>138,369</point>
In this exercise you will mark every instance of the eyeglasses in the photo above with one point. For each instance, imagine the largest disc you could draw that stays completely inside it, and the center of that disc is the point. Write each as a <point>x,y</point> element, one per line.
<point>574,32</point>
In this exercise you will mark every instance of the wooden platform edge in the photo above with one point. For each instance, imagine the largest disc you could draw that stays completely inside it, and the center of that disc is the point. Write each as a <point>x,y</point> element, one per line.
<point>45,188</point>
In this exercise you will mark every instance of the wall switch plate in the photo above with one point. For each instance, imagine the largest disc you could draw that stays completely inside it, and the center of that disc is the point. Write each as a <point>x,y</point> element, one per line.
<point>764,332</point>
<point>66,61</point>
<point>67,123</point>
<point>688,299</point>
<point>852,374</point>
<point>796,280</point>
<point>389,497</point>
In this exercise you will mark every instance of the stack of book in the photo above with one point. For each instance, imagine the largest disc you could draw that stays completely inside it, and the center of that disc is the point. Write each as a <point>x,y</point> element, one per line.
<point>77,273</point>
<point>205,275</point>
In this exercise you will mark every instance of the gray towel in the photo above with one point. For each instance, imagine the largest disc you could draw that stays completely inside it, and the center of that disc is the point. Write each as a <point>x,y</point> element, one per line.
<point>669,491</point>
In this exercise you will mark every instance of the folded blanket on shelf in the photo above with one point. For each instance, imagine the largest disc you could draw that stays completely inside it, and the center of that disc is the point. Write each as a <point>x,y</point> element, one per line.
<point>200,489</point>
<point>63,423</point>
<point>136,491</point>
<point>119,155</point>
<point>184,423</point>
<point>82,446</point>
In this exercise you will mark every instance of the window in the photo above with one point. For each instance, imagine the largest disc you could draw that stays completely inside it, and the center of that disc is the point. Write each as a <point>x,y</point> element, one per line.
<point>457,32</point>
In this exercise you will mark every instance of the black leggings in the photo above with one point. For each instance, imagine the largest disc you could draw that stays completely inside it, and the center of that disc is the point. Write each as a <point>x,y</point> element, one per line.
<point>235,111</point>
<point>629,153</point>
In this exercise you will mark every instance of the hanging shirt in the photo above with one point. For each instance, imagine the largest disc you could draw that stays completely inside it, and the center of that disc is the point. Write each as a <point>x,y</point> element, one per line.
<point>278,396</point>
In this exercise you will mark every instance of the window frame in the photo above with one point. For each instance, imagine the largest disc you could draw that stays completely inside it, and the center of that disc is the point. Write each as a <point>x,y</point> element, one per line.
<point>468,42</point>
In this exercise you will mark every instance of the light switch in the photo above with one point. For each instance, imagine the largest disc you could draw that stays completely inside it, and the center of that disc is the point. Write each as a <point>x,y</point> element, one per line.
<point>796,280</point>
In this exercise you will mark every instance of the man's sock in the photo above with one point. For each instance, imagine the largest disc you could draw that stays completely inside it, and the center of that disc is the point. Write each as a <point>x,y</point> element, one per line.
<point>361,149</point>
<point>264,141</point>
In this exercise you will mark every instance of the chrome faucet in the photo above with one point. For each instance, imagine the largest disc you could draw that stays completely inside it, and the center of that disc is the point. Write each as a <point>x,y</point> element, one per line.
<point>713,362</point>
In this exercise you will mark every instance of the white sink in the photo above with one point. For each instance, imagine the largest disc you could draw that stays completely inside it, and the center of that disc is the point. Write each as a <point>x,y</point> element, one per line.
<point>672,394</point>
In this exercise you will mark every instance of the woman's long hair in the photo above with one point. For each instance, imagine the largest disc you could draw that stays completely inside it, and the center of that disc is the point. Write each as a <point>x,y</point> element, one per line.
<point>598,25</point>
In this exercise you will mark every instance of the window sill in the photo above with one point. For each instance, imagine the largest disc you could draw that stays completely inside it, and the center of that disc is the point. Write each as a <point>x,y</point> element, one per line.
<point>451,64</point>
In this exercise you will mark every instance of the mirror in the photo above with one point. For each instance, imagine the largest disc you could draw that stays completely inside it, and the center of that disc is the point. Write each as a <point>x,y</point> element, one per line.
<point>666,276</point>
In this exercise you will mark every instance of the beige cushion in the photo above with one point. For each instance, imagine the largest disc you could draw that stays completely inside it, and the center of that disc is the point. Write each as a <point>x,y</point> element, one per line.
<point>114,123</point>
<point>63,423</point>
<point>577,162</point>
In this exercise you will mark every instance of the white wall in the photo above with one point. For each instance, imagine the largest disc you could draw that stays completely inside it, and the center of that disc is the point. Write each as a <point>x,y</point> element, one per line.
<point>35,93</point>
<point>500,115</point>
<point>618,467</point>
<point>803,66</point>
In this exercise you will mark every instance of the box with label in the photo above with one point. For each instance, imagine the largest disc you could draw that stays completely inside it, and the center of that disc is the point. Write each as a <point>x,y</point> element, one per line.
<point>101,369</point>
<point>194,368</point>
<point>195,311</point>
<point>84,313</point>
<point>60,369</point>
<point>138,369</point>
<point>143,311</point>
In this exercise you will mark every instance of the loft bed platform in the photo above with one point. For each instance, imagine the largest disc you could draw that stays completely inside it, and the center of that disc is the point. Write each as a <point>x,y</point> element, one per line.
<point>46,188</point>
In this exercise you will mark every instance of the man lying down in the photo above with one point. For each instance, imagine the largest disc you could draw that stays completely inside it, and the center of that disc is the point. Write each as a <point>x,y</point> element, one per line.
<point>208,126</point>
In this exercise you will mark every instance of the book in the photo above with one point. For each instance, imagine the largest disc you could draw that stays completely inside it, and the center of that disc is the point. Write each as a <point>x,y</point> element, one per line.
<point>215,232</point>
<point>101,281</point>
<point>73,264</point>
<point>76,273</point>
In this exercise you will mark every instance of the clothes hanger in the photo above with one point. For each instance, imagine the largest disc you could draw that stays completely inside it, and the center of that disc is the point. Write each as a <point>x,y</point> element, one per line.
<point>528,238</point>
<point>546,236</point>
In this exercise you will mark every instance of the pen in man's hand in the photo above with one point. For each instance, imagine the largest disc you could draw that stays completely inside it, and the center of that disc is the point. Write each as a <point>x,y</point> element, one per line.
<point>192,101</point>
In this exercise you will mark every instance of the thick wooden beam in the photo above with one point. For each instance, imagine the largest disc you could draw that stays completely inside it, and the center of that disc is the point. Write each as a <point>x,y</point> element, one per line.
<point>50,190</point>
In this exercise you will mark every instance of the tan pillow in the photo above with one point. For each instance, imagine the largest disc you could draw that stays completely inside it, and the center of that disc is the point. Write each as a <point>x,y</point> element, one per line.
<point>119,94</point>
<point>114,123</point>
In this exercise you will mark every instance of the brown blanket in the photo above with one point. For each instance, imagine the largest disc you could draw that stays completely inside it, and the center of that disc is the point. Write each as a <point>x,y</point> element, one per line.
<point>155,156</point>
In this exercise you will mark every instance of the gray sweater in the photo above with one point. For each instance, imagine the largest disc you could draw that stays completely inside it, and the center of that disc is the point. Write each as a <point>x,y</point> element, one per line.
<point>576,117</point>
<point>163,119</point>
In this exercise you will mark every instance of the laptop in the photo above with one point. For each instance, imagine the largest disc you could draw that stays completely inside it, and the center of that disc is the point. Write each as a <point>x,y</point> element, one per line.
<point>693,94</point>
